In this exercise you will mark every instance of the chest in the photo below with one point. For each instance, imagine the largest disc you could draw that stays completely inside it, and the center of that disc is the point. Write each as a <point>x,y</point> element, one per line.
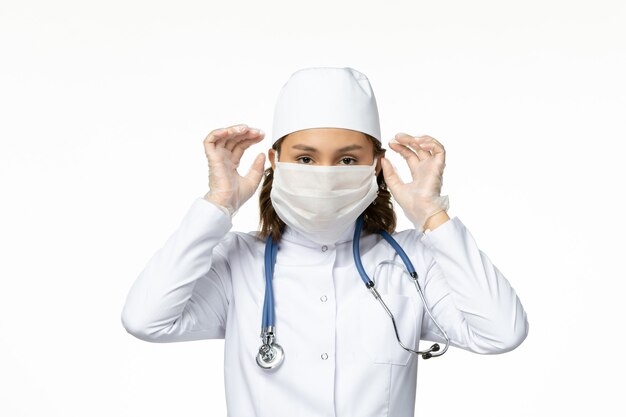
<point>322,306</point>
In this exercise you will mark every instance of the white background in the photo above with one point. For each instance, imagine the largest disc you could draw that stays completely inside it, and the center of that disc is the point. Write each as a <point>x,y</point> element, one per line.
<point>103,109</point>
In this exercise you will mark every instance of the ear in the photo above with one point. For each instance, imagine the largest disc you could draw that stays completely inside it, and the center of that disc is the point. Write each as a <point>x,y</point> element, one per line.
<point>378,165</point>
<point>270,156</point>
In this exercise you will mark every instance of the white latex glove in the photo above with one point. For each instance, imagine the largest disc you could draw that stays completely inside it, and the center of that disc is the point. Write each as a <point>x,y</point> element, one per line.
<point>420,198</point>
<point>224,148</point>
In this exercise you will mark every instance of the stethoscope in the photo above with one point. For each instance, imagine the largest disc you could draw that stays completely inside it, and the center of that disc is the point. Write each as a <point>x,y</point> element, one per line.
<point>271,354</point>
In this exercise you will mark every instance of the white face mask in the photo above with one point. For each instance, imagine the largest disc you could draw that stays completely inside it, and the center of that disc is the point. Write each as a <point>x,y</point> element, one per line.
<point>322,202</point>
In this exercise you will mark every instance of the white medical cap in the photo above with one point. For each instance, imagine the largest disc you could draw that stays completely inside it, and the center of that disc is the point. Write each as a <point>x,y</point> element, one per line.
<point>326,97</point>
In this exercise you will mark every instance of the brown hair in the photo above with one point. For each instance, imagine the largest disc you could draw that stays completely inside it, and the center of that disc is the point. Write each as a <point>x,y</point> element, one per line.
<point>378,216</point>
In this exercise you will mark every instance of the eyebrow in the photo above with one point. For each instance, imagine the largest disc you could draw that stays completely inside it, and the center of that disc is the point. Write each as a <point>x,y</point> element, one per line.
<point>311,149</point>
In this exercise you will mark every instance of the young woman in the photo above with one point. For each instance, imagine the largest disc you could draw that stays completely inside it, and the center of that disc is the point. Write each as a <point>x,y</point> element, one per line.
<point>320,279</point>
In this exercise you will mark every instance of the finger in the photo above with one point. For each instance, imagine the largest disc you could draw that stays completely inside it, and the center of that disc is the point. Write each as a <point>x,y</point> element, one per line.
<point>406,152</point>
<point>405,138</point>
<point>211,139</point>
<point>423,149</point>
<point>215,140</point>
<point>222,133</point>
<point>235,133</point>
<point>413,142</point>
<point>215,134</point>
<point>255,173</point>
<point>218,137</point>
<point>425,139</point>
<point>241,146</point>
<point>251,133</point>
<point>425,146</point>
<point>392,179</point>
<point>410,156</point>
<point>434,147</point>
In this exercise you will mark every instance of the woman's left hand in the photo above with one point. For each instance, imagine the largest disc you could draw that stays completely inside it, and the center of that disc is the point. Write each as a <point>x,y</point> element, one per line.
<point>421,197</point>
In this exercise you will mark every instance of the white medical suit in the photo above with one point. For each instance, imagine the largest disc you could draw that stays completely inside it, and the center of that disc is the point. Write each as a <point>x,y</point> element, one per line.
<point>341,354</point>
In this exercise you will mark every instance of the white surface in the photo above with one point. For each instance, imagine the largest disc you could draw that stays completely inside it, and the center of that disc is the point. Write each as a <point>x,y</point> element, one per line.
<point>104,108</point>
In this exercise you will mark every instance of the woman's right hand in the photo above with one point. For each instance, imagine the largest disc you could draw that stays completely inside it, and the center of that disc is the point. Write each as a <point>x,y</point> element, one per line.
<point>223,148</point>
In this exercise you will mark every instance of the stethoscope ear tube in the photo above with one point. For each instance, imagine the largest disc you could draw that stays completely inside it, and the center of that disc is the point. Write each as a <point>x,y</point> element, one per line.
<point>356,252</point>
<point>268,314</point>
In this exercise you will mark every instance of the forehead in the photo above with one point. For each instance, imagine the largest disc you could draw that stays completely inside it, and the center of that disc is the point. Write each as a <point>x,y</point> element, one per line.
<point>327,137</point>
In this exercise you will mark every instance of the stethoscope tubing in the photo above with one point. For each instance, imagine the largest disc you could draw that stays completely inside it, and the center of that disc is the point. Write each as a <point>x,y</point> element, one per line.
<point>271,354</point>
<point>271,251</point>
<point>411,270</point>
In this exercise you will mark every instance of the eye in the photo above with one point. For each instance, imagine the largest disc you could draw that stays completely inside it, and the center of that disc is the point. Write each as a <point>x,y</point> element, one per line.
<point>348,160</point>
<point>304,159</point>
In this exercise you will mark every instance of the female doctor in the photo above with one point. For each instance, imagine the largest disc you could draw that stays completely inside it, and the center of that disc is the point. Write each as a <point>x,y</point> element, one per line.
<point>295,286</point>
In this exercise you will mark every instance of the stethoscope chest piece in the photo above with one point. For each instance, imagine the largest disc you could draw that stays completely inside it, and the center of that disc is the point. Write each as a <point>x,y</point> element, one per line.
<point>270,355</point>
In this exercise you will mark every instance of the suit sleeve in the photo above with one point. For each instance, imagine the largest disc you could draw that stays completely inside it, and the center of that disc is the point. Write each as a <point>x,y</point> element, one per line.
<point>184,290</point>
<point>468,296</point>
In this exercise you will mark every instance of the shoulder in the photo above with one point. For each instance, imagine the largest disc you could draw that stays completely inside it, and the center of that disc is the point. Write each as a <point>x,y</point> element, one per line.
<point>237,243</point>
<point>411,241</point>
<point>409,237</point>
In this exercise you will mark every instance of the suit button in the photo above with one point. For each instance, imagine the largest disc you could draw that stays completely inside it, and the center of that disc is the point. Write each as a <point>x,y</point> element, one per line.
<point>324,248</point>
<point>324,356</point>
<point>323,298</point>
